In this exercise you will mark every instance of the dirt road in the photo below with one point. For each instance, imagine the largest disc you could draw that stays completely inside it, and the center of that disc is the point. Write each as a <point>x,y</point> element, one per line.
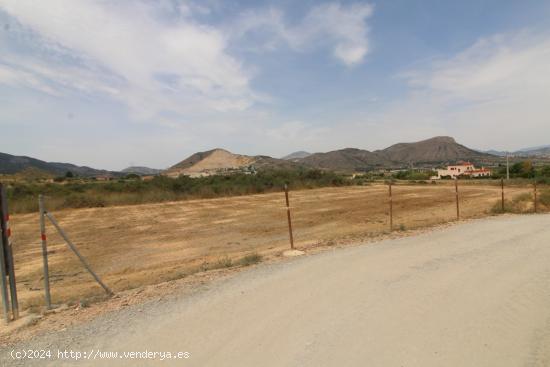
<point>476,294</point>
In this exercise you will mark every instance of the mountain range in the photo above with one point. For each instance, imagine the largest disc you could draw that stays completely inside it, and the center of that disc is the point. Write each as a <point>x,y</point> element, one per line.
<point>437,150</point>
<point>426,153</point>
<point>11,164</point>
<point>540,151</point>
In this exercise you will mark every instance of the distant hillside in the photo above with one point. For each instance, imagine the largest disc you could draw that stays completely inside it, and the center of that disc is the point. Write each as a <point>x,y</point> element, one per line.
<point>10,164</point>
<point>439,149</point>
<point>296,155</point>
<point>432,151</point>
<point>541,151</point>
<point>220,161</point>
<point>349,159</point>
<point>498,153</point>
<point>142,171</point>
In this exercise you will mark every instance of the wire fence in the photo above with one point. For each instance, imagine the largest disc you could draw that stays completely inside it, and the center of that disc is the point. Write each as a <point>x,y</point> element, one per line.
<point>134,246</point>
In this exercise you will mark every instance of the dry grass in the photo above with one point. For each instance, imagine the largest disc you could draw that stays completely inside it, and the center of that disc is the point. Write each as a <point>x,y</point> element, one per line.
<point>132,246</point>
<point>524,203</point>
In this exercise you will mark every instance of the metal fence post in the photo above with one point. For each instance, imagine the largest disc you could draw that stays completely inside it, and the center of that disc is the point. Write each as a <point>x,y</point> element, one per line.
<point>289,220</point>
<point>8,251</point>
<point>4,271</point>
<point>42,210</point>
<point>391,207</point>
<point>457,201</point>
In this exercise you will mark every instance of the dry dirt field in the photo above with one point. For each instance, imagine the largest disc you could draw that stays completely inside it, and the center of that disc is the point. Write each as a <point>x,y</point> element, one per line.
<point>131,246</point>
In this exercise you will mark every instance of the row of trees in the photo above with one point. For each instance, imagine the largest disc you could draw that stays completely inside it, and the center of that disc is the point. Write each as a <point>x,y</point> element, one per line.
<point>523,169</point>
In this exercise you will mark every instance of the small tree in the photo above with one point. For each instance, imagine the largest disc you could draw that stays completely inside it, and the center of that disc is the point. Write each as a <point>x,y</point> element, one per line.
<point>69,174</point>
<point>523,169</point>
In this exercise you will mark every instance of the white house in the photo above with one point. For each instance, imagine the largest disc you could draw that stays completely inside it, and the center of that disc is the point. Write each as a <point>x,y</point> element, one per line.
<point>464,169</point>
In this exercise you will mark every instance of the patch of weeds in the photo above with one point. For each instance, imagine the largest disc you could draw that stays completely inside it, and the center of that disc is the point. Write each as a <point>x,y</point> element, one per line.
<point>497,208</point>
<point>250,259</point>
<point>522,203</point>
<point>176,275</point>
<point>522,197</point>
<point>402,227</point>
<point>205,266</point>
<point>224,262</point>
<point>84,303</point>
<point>33,304</point>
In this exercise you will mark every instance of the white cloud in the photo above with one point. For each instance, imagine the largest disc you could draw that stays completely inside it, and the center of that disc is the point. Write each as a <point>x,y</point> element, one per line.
<point>292,132</point>
<point>493,68</point>
<point>340,27</point>
<point>492,94</point>
<point>131,51</point>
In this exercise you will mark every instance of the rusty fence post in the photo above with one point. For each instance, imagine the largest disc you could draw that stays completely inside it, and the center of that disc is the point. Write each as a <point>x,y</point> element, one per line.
<point>288,217</point>
<point>457,201</point>
<point>502,192</point>
<point>391,207</point>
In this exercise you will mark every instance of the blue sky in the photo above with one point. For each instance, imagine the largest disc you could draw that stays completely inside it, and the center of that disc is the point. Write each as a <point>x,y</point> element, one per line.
<point>116,83</point>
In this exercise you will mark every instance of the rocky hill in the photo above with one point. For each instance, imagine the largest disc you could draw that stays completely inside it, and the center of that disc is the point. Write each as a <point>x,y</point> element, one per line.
<point>296,155</point>
<point>440,149</point>
<point>219,161</point>
<point>349,159</point>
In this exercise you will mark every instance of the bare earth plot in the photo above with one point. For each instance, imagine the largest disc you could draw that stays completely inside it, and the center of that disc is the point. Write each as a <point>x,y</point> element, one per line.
<point>475,294</point>
<point>133,246</point>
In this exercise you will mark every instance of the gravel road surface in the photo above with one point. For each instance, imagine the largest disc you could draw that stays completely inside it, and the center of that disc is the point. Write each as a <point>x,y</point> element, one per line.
<point>474,294</point>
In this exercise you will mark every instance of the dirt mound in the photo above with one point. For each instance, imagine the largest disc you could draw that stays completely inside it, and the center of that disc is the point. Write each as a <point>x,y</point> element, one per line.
<point>209,162</point>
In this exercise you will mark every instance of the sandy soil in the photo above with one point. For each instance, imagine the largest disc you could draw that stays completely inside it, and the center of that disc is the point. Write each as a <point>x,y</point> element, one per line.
<point>474,294</point>
<point>138,245</point>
